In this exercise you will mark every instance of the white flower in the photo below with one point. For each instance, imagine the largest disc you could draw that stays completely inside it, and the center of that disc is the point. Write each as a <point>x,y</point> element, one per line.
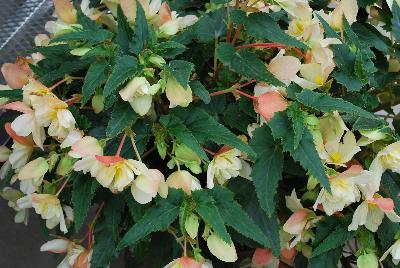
<point>285,68</point>
<point>34,171</point>
<point>182,179</point>
<point>147,185</point>
<point>48,207</point>
<point>77,256</point>
<point>345,189</point>
<point>370,213</point>
<point>226,165</point>
<point>138,92</point>
<point>87,149</point>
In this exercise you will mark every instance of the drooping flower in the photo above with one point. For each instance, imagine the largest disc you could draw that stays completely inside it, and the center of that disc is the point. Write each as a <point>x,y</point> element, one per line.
<point>65,11</point>
<point>48,207</point>
<point>25,124</point>
<point>225,165</point>
<point>86,148</point>
<point>182,179</point>
<point>12,195</point>
<point>264,258</point>
<point>138,92</point>
<point>184,262</point>
<point>346,8</point>
<point>177,95</point>
<point>34,170</point>
<point>270,103</point>
<point>170,23</point>
<point>53,113</point>
<point>77,256</point>
<point>336,145</point>
<point>221,249</point>
<point>33,90</point>
<point>16,74</point>
<point>370,213</point>
<point>345,189</point>
<point>116,173</point>
<point>285,68</point>
<point>147,185</point>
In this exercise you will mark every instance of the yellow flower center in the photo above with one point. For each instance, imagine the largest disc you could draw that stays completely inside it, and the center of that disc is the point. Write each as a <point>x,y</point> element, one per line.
<point>319,80</point>
<point>336,157</point>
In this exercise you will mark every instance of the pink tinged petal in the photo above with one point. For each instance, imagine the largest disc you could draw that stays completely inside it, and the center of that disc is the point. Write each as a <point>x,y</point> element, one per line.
<point>17,106</point>
<point>65,118</point>
<point>386,204</point>
<point>165,13</point>
<point>181,180</point>
<point>262,257</point>
<point>109,160</point>
<point>269,103</point>
<point>129,9</point>
<point>34,169</point>
<point>288,255</point>
<point>187,262</point>
<point>23,124</point>
<point>87,146</point>
<point>149,183</point>
<point>56,246</point>
<point>17,138</point>
<point>66,11</point>
<point>296,223</point>
<point>16,76</point>
<point>284,68</point>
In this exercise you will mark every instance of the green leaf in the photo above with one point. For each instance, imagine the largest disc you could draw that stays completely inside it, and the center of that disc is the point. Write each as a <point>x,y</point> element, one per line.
<point>180,70</point>
<point>390,185</point>
<point>6,181</point>
<point>106,232</point>
<point>136,209</point>
<point>246,63</point>
<point>95,77</point>
<point>204,127</point>
<point>184,212</point>
<point>363,123</point>
<point>262,26</point>
<point>67,67</point>
<point>234,216</point>
<point>82,122</point>
<point>211,26</point>
<point>207,209</point>
<point>305,153</point>
<point>325,103</point>
<point>169,49</point>
<point>122,117</point>
<point>329,259</point>
<point>177,128</point>
<point>125,33</point>
<point>83,192</point>
<point>141,31</point>
<point>11,94</point>
<point>267,170</point>
<point>297,117</point>
<point>125,68</point>
<point>351,82</point>
<point>85,21</point>
<point>396,21</point>
<point>200,91</point>
<point>156,218</point>
<point>338,237</point>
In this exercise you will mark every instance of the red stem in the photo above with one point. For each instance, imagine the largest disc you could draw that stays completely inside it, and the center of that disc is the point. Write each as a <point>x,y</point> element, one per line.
<point>120,145</point>
<point>247,83</point>
<point>236,34</point>
<point>229,34</point>
<point>245,94</point>
<point>270,45</point>
<point>71,101</point>
<point>209,151</point>
<point>184,249</point>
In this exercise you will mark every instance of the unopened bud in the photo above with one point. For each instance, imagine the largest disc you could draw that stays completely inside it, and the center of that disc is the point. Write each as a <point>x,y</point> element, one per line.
<point>65,166</point>
<point>98,103</point>
<point>157,60</point>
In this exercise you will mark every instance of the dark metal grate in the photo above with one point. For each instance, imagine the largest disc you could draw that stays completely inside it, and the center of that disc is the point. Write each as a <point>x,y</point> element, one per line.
<point>20,21</point>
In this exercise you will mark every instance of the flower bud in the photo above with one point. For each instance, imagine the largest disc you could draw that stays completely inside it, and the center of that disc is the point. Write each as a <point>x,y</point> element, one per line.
<point>368,260</point>
<point>4,153</point>
<point>65,166</point>
<point>81,51</point>
<point>262,257</point>
<point>182,179</point>
<point>269,103</point>
<point>220,249</point>
<point>177,95</point>
<point>98,103</point>
<point>192,225</point>
<point>394,66</point>
<point>34,169</point>
<point>53,159</point>
<point>157,60</point>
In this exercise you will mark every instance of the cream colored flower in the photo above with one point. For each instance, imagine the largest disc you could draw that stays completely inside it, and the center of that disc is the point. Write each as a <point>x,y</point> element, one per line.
<point>33,90</point>
<point>182,179</point>
<point>220,249</point>
<point>147,185</point>
<point>170,23</point>
<point>87,149</point>
<point>77,256</point>
<point>345,189</point>
<point>346,8</point>
<point>16,74</point>
<point>34,171</point>
<point>185,262</point>
<point>138,92</point>
<point>12,195</point>
<point>48,206</point>
<point>226,165</point>
<point>370,213</point>
<point>177,95</point>
<point>119,173</point>
<point>285,68</point>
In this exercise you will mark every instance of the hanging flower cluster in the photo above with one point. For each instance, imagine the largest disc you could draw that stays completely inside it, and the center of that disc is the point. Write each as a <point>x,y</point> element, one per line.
<point>257,132</point>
